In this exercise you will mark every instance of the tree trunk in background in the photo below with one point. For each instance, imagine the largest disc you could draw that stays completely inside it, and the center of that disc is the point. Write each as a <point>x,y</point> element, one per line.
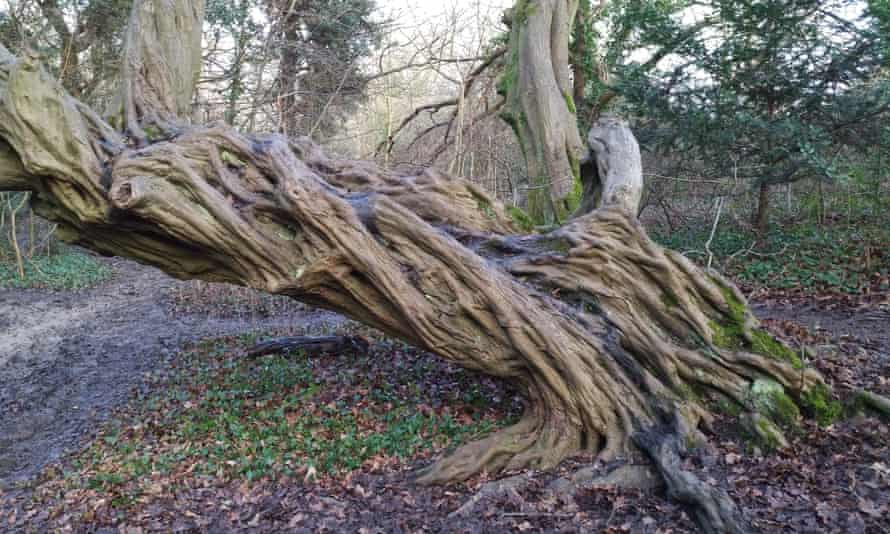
<point>580,52</point>
<point>70,68</point>
<point>288,71</point>
<point>761,217</point>
<point>539,105</point>
<point>160,67</point>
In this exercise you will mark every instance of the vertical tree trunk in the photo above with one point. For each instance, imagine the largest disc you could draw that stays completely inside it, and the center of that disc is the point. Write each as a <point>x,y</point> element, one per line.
<point>539,105</point>
<point>237,88</point>
<point>69,68</point>
<point>288,71</point>
<point>761,217</point>
<point>581,54</point>
<point>160,67</point>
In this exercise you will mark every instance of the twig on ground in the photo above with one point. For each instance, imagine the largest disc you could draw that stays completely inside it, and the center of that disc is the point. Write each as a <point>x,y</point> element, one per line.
<point>536,514</point>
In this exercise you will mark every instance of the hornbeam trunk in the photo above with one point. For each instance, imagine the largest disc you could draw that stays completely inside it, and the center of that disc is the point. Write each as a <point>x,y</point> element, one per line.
<point>540,108</point>
<point>605,333</point>
<point>160,67</point>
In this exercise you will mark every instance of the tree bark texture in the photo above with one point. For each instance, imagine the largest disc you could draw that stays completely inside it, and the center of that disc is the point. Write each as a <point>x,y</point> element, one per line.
<point>160,66</point>
<point>614,173</point>
<point>761,215</point>
<point>600,329</point>
<point>539,105</point>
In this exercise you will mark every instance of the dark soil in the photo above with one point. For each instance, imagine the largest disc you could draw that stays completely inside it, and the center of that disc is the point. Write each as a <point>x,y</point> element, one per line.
<point>68,358</point>
<point>72,358</point>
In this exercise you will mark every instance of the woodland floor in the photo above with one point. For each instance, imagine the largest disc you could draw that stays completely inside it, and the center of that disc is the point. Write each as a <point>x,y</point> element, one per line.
<point>85,382</point>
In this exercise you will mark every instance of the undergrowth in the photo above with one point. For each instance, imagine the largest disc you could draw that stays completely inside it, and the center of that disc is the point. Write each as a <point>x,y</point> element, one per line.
<point>807,259</point>
<point>68,269</point>
<point>223,417</point>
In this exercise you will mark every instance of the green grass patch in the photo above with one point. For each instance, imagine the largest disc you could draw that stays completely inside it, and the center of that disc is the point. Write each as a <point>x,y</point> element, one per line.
<point>226,418</point>
<point>69,269</point>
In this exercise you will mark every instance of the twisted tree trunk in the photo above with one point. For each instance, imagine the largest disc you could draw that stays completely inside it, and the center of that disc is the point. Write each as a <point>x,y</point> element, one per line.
<point>610,338</point>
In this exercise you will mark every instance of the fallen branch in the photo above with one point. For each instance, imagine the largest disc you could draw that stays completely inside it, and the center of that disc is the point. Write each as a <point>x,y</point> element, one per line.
<point>873,400</point>
<point>309,345</point>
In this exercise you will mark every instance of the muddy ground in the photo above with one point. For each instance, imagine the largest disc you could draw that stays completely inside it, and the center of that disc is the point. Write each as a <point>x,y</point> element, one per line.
<point>68,358</point>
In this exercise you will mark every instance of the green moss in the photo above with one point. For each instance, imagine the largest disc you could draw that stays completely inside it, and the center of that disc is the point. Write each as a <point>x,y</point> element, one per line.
<point>570,102</point>
<point>485,206</point>
<point>511,70</point>
<point>521,218</point>
<point>763,343</point>
<point>669,299</point>
<point>153,133</point>
<point>818,404</point>
<point>737,308</point>
<point>231,159</point>
<point>727,335</point>
<point>768,434</point>
<point>522,11</point>
<point>769,398</point>
<point>540,206</point>
<point>727,406</point>
<point>730,333</point>
<point>691,392</point>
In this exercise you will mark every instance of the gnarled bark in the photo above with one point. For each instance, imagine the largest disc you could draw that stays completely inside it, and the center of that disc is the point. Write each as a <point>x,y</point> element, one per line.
<point>594,323</point>
<point>607,335</point>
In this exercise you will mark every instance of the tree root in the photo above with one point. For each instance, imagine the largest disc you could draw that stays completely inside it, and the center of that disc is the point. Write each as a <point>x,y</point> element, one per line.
<point>531,443</point>
<point>713,508</point>
<point>634,476</point>
<point>309,345</point>
<point>767,432</point>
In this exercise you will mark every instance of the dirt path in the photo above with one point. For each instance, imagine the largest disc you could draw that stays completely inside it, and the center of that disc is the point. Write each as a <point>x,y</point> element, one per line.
<point>67,359</point>
<point>871,328</point>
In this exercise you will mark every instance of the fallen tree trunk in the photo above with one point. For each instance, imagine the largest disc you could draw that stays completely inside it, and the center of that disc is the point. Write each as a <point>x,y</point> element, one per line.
<point>308,345</point>
<point>603,331</point>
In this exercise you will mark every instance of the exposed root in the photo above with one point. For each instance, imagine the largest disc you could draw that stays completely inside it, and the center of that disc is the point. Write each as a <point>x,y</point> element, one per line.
<point>527,444</point>
<point>767,432</point>
<point>634,476</point>
<point>713,508</point>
